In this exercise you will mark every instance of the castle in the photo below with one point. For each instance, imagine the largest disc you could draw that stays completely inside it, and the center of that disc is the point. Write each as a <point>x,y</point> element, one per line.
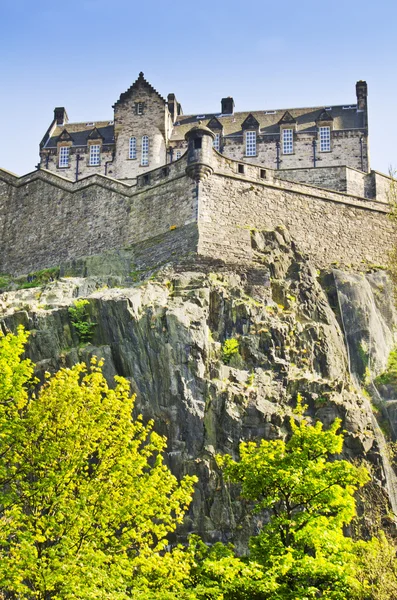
<point>153,185</point>
<point>148,131</point>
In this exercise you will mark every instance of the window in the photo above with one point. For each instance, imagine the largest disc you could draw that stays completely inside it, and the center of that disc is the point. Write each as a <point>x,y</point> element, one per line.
<point>132,148</point>
<point>64,156</point>
<point>217,141</point>
<point>178,154</point>
<point>145,151</point>
<point>197,143</point>
<point>250,143</point>
<point>95,155</point>
<point>139,108</point>
<point>263,174</point>
<point>325,139</point>
<point>288,141</point>
<point>241,169</point>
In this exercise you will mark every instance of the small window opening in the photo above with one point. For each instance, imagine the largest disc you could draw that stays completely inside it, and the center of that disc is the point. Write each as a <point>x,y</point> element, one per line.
<point>197,143</point>
<point>263,174</point>
<point>241,169</point>
<point>165,172</point>
<point>146,179</point>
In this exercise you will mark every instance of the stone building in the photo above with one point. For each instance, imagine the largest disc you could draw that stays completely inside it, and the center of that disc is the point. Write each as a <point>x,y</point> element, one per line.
<point>147,131</point>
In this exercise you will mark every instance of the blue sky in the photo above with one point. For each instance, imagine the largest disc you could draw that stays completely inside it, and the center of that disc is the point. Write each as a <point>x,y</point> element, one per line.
<point>82,54</point>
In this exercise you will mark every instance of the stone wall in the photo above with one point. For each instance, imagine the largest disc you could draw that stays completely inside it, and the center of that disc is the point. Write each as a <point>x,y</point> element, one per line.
<point>46,220</point>
<point>345,150</point>
<point>154,122</point>
<point>331,227</point>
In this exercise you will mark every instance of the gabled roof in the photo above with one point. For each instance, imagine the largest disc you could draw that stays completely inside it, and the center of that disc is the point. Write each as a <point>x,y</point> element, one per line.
<point>250,122</point>
<point>79,133</point>
<point>214,123</point>
<point>95,135</point>
<point>138,84</point>
<point>324,116</point>
<point>287,119</point>
<point>65,136</point>
<point>345,117</point>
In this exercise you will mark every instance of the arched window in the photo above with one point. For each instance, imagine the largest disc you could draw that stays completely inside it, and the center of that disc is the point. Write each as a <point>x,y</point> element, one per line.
<point>132,148</point>
<point>145,151</point>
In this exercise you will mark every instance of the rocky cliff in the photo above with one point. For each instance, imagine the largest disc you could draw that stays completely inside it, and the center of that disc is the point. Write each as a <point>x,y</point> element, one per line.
<point>168,334</point>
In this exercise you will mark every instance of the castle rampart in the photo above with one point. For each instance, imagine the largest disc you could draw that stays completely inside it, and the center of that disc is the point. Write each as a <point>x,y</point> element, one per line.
<point>203,203</point>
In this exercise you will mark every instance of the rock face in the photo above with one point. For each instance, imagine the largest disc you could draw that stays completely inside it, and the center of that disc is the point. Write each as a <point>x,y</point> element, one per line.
<point>167,336</point>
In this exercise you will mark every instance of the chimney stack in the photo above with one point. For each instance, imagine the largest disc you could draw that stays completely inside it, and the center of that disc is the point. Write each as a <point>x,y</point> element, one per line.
<point>227,106</point>
<point>60,115</point>
<point>361,93</point>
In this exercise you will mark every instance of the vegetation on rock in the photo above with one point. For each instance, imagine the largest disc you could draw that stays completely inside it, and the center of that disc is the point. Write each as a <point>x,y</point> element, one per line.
<point>81,320</point>
<point>87,503</point>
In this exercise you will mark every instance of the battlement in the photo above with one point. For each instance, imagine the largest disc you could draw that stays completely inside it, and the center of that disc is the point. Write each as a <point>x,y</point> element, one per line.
<point>203,204</point>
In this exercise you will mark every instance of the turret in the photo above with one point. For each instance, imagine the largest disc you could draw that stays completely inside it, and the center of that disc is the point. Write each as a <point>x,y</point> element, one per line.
<point>200,154</point>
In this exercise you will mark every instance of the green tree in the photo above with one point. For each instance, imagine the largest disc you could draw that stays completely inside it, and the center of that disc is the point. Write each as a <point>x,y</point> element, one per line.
<point>85,496</point>
<point>310,499</point>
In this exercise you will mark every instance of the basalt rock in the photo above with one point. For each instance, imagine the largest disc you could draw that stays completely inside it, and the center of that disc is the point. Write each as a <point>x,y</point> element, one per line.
<point>167,337</point>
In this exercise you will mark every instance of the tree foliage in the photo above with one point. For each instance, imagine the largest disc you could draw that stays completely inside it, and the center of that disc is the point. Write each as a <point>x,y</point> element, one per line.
<point>85,492</point>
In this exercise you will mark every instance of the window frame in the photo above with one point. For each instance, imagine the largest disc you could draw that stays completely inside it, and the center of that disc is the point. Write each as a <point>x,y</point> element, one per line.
<point>250,143</point>
<point>145,151</point>
<point>94,154</point>
<point>139,108</point>
<point>64,161</point>
<point>287,139</point>
<point>216,143</point>
<point>324,142</point>
<point>132,148</point>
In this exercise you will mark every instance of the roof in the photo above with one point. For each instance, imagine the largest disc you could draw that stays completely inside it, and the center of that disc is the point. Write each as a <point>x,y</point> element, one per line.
<point>344,117</point>
<point>141,82</point>
<point>80,133</point>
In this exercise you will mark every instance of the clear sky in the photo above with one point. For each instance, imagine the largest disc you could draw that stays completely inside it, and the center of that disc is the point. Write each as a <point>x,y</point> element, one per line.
<point>82,54</point>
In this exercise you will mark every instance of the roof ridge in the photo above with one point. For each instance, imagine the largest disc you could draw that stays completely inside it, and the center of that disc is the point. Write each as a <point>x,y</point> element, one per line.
<point>141,80</point>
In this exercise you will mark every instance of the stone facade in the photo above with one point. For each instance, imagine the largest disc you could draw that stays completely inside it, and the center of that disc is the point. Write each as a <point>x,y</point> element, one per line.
<point>147,132</point>
<point>203,204</point>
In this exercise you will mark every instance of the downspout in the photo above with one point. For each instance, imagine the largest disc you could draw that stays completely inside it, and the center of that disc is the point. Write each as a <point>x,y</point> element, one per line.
<point>47,160</point>
<point>108,162</point>
<point>77,166</point>
<point>278,155</point>
<point>362,152</point>
<point>314,152</point>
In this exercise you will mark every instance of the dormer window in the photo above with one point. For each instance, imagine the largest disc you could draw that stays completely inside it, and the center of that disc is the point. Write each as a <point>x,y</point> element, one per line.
<point>217,141</point>
<point>145,151</point>
<point>64,156</point>
<point>95,155</point>
<point>325,139</point>
<point>132,148</point>
<point>250,143</point>
<point>139,106</point>
<point>288,141</point>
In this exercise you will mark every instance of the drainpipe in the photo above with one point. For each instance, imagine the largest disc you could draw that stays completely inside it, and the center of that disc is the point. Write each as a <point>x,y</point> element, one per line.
<point>314,152</point>
<point>171,151</point>
<point>278,155</point>
<point>109,161</point>
<point>362,152</point>
<point>77,166</point>
<point>47,160</point>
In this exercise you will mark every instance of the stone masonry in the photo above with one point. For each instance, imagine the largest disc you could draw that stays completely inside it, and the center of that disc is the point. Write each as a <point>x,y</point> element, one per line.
<point>204,204</point>
<point>148,131</point>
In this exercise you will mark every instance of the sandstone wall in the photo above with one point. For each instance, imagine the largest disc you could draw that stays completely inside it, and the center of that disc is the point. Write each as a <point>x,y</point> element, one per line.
<point>345,150</point>
<point>331,227</point>
<point>46,220</point>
